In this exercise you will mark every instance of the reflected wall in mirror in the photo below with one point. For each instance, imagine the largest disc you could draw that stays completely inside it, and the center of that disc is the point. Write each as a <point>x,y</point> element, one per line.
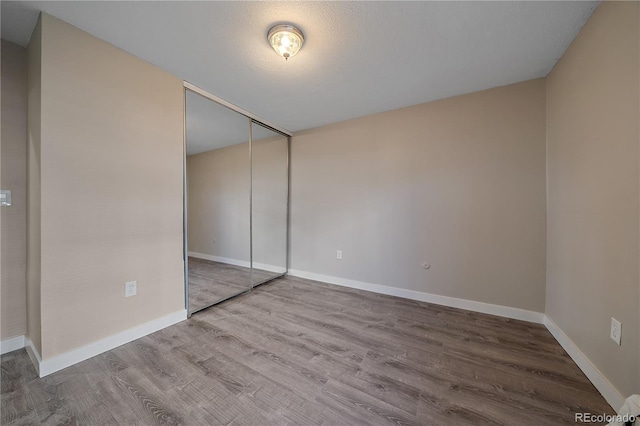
<point>218,202</point>
<point>269,203</point>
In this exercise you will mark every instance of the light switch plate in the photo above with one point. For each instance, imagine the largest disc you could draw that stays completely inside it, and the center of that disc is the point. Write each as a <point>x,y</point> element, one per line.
<point>616,330</point>
<point>5,197</point>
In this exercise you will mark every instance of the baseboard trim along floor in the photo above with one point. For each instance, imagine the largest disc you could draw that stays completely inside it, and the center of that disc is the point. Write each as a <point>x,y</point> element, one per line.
<point>34,355</point>
<point>12,344</point>
<point>227,260</point>
<point>74,356</point>
<point>604,386</point>
<point>236,262</point>
<point>300,351</point>
<point>51,365</point>
<point>470,305</point>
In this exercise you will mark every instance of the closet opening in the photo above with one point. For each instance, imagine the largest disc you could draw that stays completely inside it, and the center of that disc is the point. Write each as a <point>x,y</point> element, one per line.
<point>236,200</point>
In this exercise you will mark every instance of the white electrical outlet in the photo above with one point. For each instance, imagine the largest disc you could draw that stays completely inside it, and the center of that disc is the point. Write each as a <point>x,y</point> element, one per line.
<point>616,330</point>
<point>130,288</point>
<point>339,254</point>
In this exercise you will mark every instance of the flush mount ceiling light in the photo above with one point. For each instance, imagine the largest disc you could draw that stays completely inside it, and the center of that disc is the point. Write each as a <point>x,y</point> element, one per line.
<point>286,40</point>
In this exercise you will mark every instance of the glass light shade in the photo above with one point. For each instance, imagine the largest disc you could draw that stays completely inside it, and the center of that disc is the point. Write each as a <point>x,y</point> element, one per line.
<point>286,40</point>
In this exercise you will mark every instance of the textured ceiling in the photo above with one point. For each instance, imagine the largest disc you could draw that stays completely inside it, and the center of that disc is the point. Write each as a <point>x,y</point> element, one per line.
<point>359,57</point>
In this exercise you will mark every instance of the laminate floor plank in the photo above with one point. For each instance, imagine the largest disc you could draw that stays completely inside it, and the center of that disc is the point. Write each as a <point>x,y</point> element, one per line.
<point>211,282</point>
<point>300,380</point>
<point>309,414</point>
<point>298,352</point>
<point>366,408</point>
<point>16,408</point>
<point>324,358</point>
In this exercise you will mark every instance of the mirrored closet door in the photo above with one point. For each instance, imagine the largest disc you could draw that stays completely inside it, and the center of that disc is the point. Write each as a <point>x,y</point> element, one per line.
<point>236,202</point>
<point>218,169</point>
<point>269,203</point>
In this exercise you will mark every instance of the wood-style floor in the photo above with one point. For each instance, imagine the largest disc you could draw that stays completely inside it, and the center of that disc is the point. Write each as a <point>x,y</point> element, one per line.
<point>211,282</point>
<point>302,352</point>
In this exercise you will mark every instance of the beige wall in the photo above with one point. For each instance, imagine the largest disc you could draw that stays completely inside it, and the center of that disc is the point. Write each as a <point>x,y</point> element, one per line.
<point>593,168</point>
<point>13,258</point>
<point>458,183</point>
<point>34,88</point>
<point>111,189</point>
<point>218,211</point>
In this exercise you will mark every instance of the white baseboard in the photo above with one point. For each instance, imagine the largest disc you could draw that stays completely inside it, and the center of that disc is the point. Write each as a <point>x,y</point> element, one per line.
<point>34,355</point>
<point>236,262</point>
<point>270,268</point>
<point>604,386</point>
<point>74,356</point>
<point>46,367</point>
<point>220,259</point>
<point>11,344</point>
<point>470,305</point>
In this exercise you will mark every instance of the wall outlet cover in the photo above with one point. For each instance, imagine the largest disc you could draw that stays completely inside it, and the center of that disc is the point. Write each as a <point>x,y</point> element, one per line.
<point>130,288</point>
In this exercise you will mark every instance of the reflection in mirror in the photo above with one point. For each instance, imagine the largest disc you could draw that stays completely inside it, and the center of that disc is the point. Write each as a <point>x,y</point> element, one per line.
<point>218,206</point>
<point>269,196</point>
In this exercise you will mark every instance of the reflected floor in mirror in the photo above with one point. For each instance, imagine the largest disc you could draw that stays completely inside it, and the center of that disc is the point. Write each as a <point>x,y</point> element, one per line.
<point>299,352</point>
<point>211,282</point>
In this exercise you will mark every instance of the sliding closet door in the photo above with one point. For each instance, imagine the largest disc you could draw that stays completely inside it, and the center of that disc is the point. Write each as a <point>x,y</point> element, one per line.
<point>269,203</point>
<point>218,171</point>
